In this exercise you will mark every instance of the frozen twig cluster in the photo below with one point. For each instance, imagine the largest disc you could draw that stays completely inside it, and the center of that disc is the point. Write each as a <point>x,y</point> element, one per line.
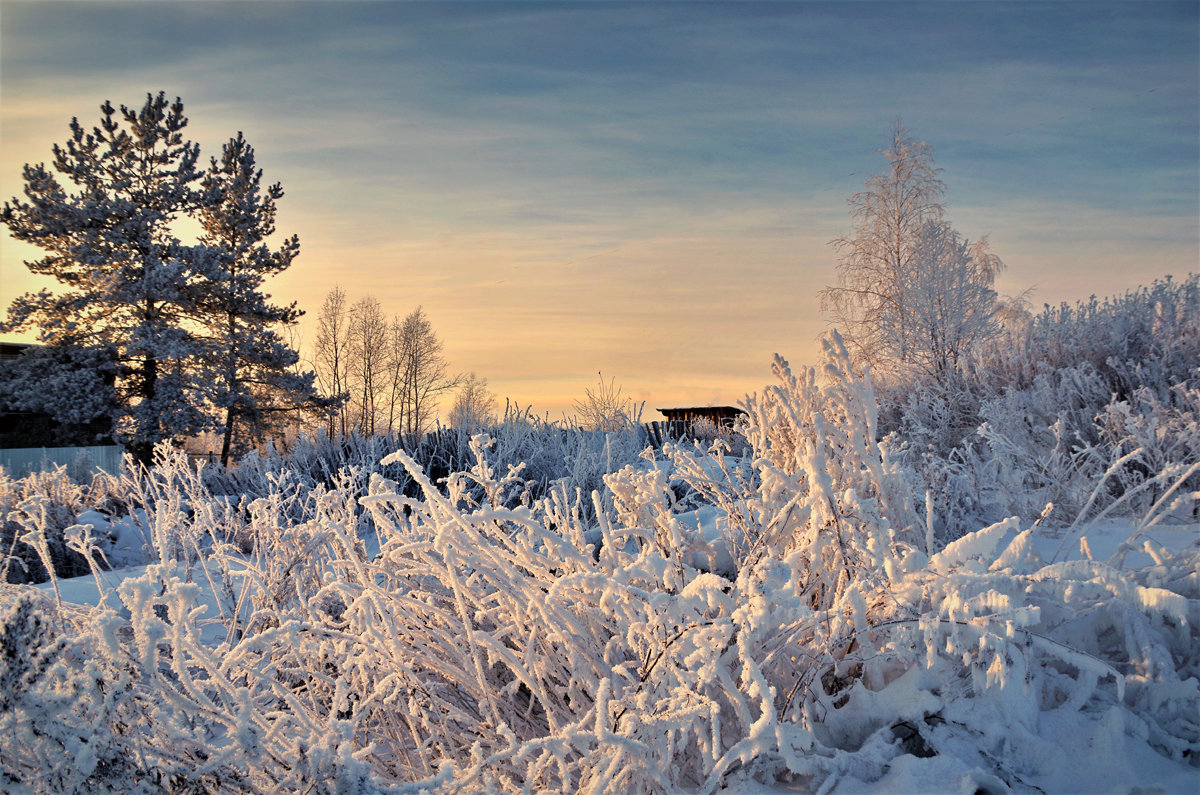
<point>479,635</point>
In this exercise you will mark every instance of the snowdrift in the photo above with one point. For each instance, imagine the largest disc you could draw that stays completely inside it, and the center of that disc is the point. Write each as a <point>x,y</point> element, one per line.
<point>803,633</point>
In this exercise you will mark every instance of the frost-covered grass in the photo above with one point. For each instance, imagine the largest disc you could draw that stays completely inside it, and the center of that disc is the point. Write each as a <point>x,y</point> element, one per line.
<point>1093,407</point>
<point>784,620</point>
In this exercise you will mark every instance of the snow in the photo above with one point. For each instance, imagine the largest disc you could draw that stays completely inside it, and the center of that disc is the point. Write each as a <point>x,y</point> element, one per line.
<point>1073,748</point>
<point>1104,539</point>
<point>783,621</point>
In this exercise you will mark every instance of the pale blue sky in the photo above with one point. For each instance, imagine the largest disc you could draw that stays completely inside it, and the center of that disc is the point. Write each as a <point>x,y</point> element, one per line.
<point>643,189</point>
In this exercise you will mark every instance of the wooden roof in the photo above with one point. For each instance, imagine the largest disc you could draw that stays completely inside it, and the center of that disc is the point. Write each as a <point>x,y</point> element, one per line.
<point>717,415</point>
<point>11,350</point>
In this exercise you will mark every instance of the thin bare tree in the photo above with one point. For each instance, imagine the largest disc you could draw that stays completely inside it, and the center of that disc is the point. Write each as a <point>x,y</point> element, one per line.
<point>474,405</point>
<point>331,356</point>
<point>367,368</point>
<point>424,374</point>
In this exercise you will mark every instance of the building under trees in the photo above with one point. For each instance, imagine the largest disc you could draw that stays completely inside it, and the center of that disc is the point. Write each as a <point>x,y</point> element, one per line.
<point>190,334</point>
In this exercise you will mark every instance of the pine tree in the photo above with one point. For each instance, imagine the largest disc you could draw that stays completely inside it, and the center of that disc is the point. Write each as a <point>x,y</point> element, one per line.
<point>67,389</point>
<point>127,277</point>
<point>251,366</point>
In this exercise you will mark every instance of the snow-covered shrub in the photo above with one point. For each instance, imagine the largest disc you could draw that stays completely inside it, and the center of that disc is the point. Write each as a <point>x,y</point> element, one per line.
<point>1071,394</point>
<point>604,409</point>
<point>501,639</point>
<point>552,454</point>
<point>493,639</point>
<point>146,704</point>
<point>57,706</point>
<point>1164,434</point>
<point>1012,645</point>
<point>706,434</point>
<point>172,506</point>
<point>1051,444</point>
<point>43,505</point>
<point>818,467</point>
<point>1147,337</point>
<point>1028,419</point>
<point>313,460</point>
<point>1041,442</point>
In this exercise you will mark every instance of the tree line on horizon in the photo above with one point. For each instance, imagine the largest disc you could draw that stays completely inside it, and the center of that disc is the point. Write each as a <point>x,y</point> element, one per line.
<point>171,338</point>
<point>168,339</point>
<point>391,372</point>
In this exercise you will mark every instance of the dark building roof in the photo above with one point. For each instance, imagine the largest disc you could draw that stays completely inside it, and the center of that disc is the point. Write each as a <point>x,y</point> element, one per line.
<point>718,415</point>
<point>37,429</point>
<point>11,350</point>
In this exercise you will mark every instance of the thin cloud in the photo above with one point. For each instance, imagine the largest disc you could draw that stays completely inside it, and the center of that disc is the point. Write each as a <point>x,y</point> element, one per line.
<point>647,189</point>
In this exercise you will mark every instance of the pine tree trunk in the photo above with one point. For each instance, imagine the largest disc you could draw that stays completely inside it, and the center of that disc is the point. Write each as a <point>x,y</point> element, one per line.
<point>228,440</point>
<point>143,448</point>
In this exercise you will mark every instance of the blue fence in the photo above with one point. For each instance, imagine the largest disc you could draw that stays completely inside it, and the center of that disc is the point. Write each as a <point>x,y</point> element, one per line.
<point>19,462</point>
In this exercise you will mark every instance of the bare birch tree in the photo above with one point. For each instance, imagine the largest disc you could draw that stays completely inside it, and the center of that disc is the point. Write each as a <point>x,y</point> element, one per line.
<point>367,363</point>
<point>424,374</point>
<point>396,389</point>
<point>474,405</point>
<point>912,294</point>
<point>331,356</point>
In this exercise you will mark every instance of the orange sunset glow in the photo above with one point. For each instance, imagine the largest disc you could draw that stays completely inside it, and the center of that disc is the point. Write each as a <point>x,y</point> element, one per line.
<point>646,191</point>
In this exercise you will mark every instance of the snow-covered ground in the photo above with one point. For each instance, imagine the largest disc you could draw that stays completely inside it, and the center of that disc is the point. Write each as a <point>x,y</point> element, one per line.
<point>666,621</point>
<point>1081,751</point>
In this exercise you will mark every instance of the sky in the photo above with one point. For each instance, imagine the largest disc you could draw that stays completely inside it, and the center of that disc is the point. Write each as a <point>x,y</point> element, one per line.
<point>643,190</point>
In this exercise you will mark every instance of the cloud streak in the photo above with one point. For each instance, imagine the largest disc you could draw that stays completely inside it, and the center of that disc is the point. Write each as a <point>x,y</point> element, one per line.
<point>646,189</point>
